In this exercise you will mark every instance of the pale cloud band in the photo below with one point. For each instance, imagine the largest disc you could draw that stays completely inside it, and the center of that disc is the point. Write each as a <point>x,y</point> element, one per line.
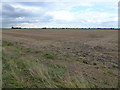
<point>60,13</point>
<point>60,1</point>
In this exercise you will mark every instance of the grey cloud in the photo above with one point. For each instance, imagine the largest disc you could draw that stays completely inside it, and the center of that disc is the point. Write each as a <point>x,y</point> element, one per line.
<point>35,4</point>
<point>9,15</point>
<point>10,12</point>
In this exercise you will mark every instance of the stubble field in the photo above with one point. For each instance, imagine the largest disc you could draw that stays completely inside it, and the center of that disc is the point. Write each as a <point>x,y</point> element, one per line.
<point>60,58</point>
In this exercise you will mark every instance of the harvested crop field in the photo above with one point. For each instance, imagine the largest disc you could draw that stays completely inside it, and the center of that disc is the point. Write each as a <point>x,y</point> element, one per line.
<point>60,58</point>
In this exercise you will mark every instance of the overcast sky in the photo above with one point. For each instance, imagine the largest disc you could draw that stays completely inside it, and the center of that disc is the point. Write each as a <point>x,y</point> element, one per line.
<point>69,13</point>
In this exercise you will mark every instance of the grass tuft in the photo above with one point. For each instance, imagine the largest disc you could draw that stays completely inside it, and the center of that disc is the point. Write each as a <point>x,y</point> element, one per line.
<point>6,43</point>
<point>49,56</point>
<point>85,60</point>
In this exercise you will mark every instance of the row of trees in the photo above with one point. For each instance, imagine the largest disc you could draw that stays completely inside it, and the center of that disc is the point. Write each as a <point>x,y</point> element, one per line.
<point>77,28</point>
<point>60,28</point>
<point>15,27</point>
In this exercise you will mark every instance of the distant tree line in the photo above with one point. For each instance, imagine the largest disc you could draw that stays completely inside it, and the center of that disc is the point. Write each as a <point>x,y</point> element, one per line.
<point>78,28</point>
<point>15,27</point>
<point>61,28</point>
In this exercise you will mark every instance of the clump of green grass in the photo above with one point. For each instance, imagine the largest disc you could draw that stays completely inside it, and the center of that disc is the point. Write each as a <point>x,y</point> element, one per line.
<point>6,43</point>
<point>76,83</point>
<point>109,73</point>
<point>49,56</point>
<point>57,69</point>
<point>85,60</point>
<point>68,57</point>
<point>56,72</point>
<point>102,86</point>
<point>9,72</point>
<point>10,81</point>
<point>18,48</point>
<point>17,70</point>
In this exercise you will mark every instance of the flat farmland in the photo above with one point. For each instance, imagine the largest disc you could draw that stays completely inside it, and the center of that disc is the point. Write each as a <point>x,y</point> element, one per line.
<point>60,58</point>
